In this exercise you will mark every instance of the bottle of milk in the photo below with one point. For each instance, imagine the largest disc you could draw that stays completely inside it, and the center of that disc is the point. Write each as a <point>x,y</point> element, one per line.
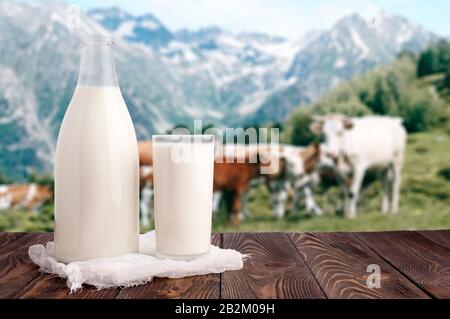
<point>96,165</point>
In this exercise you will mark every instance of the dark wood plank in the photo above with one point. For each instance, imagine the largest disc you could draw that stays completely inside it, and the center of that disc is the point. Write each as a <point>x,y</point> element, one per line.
<point>421,260</point>
<point>48,286</point>
<point>20,278</point>
<point>339,262</point>
<point>199,287</point>
<point>440,237</point>
<point>7,238</point>
<point>16,268</point>
<point>274,270</point>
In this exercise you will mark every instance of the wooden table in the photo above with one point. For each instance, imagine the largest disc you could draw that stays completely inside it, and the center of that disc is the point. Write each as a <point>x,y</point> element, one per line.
<point>282,265</point>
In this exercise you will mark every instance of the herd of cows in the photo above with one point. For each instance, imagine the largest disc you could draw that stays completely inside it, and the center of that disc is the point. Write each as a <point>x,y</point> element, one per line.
<point>350,147</point>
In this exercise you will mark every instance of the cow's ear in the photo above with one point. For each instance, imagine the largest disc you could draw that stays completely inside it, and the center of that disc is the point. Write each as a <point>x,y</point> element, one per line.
<point>348,123</point>
<point>316,128</point>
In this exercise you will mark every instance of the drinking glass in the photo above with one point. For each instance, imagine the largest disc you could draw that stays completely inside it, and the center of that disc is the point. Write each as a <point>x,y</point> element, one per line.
<point>183,168</point>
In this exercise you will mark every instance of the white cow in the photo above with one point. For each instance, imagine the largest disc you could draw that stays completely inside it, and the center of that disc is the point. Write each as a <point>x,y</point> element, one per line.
<point>357,144</point>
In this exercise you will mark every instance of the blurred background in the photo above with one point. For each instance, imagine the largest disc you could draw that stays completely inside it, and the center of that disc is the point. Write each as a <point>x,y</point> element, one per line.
<point>255,63</point>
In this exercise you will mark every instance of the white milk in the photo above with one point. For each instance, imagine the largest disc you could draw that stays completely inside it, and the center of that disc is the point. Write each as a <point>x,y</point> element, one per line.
<point>96,177</point>
<point>183,197</point>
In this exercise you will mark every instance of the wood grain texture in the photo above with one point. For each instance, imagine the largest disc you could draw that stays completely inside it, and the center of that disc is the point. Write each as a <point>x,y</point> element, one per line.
<point>339,262</point>
<point>440,237</point>
<point>48,286</point>
<point>203,287</point>
<point>312,265</point>
<point>7,238</point>
<point>274,269</point>
<point>421,260</point>
<point>16,268</point>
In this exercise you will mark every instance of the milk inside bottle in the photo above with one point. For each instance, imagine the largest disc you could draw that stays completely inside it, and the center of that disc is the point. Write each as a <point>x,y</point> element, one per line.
<point>183,168</point>
<point>96,165</point>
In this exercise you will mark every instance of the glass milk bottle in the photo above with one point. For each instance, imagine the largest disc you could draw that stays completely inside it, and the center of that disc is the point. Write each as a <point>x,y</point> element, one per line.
<point>97,165</point>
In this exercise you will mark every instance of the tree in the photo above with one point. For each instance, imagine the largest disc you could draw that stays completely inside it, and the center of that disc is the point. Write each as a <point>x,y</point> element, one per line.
<point>297,128</point>
<point>434,59</point>
<point>383,102</point>
<point>46,180</point>
<point>446,82</point>
<point>422,110</point>
<point>4,179</point>
<point>427,63</point>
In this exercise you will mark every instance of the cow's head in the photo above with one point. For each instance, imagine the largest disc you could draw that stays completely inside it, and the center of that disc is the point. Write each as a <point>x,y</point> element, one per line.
<point>333,127</point>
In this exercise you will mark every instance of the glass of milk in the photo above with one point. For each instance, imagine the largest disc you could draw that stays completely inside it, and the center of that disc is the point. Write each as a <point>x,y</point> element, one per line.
<point>183,168</point>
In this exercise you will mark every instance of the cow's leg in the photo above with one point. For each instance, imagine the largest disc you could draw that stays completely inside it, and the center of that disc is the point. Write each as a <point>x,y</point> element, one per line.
<point>358,176</point>
<point>296,199</point>
<point>146,197</point>
<point>344,185</point>
<point>396,187</point>
<point>145,214</point>
<point>151,204</point>
<point>280,203</point>
<point>387,190</point>
<point>236,210</point>
<point>311,205</point>
<point>279,195</point>
<point>244,204</point>
<point>35,208</point>
<point>217,196</point>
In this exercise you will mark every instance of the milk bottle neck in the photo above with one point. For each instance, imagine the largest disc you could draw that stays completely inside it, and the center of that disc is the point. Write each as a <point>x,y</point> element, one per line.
<point>97,62</point>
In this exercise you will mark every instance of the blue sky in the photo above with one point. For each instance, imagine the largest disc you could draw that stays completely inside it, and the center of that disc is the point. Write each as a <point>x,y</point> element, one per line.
<point>284,17</point>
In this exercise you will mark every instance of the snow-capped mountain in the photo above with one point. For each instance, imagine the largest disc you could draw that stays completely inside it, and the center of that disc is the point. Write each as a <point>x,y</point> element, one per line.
<point>352,46</point>
<point>171,77</point>
<point>241,69</point>
<point>145,29</point>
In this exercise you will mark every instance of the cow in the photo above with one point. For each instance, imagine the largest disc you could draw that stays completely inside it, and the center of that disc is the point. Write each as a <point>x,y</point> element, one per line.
<point>300,172</point>
<point>30,196</point>
<point>146,181</point>
<point>357,144</point>
<point>236,169</point>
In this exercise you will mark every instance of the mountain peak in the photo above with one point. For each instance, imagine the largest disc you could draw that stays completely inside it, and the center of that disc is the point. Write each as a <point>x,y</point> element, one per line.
<point>199,35</point>
<point>111,18</point>
<point>144,28</point>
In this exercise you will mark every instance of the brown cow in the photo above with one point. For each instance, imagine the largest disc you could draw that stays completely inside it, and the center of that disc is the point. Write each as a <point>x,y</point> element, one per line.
<point>236,177</point>
<point>145,153</point>
<point>23,195</point>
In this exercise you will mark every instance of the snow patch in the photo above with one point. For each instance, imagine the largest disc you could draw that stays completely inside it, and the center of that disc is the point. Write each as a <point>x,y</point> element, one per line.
<point>125,29</point>
<point>150,25</point>
<point>339,63</point>
<point>360,44</point>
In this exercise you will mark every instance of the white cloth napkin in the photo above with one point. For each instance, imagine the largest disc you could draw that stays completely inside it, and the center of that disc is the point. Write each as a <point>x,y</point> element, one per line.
<point>133,269</point>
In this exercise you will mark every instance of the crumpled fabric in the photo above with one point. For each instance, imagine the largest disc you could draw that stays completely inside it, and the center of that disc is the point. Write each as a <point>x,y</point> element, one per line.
<point>133,269</point>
